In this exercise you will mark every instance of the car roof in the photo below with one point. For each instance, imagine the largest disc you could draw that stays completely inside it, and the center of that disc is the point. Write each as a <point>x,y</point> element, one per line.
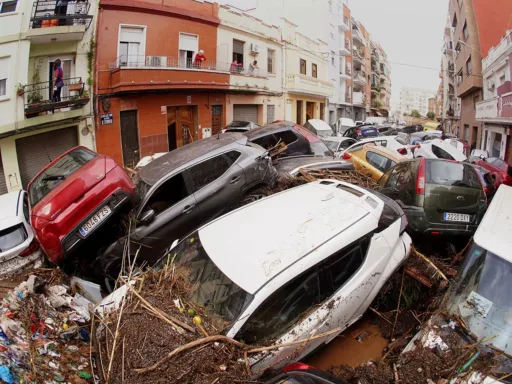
<point>9,204</point>
<point>267,129</point>
<point>456,153</point>
<point>263,247</point>
<point>387,152</point>
<point>177,158</point>
<point>495,229</point>
<point>339,139</point>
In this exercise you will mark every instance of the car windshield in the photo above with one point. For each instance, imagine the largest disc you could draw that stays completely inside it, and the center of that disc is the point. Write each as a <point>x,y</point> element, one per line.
<point>481,297</point>
<point>239,124</point>
<point>12,237</point>
<point>242,130</point>
<point>211,288</point>
<point>51,177</point>
<point>332,145</point>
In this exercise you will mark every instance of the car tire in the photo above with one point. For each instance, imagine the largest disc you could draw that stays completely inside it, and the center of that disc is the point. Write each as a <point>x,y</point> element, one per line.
<point>254,194</point>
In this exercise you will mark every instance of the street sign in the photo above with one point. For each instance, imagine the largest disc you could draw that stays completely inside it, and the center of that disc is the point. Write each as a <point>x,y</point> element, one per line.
<point>106,119</point>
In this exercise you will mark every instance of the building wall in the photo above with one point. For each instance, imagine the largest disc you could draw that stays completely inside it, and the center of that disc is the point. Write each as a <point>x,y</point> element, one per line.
<point>492,21</point>
<point>348,35</point>
<point>412,98</point>
<point>261,101</point>
<point>291,99</point>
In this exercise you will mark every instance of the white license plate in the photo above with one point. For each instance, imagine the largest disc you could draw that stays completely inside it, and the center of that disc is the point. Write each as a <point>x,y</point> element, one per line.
<point>457,217</point>
<point>95,220</point>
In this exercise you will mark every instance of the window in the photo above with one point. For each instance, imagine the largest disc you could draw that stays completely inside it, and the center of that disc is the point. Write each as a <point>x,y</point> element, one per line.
<point>460,77</point>
<point>333,58</point>
<point>7,6</point>
<point>469,66</point>
<point>4,74</point>
<point>210,170</point>
<point>12,237</point>
<point>458,47</point>
<point>271,54</point>
<point>314,70</point>
<point>238,51</point>
<point>287,137</point>
<point>454,22</point>
<point>3,87</point>
<point>188,47</point>
<point>295,299</point>
<point>302,66</point>
<point>378,161</point>
<point>131,42</point>
<point>168,194</point>
<point>452,174</point>
<point>465,32</point>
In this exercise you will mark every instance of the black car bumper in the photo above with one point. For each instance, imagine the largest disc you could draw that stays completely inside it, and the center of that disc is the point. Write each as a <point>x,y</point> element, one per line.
<point>419,223</point>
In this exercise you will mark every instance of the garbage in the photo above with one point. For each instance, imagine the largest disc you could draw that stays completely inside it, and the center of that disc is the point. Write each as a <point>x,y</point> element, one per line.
<point>44,334</point>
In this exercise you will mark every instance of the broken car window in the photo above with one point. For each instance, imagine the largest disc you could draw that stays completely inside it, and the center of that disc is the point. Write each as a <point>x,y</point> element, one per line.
<point>209,170</point>
<point>378,161</point>
<point>169,193</point>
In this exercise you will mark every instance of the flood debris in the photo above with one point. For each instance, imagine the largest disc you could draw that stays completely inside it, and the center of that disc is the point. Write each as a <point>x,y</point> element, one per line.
<point>352,177</point>
<point>44,335</point>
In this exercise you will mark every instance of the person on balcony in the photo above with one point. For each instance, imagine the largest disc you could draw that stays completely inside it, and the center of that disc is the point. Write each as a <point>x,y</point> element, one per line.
<point>199,59</point>
<point>253,68</point>
<point>59,81</point>
<point>235,67</point>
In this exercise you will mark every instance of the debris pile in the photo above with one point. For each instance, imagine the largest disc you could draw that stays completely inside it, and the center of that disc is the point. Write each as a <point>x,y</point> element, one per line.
<point>352,177</point>
<point>44,335</point>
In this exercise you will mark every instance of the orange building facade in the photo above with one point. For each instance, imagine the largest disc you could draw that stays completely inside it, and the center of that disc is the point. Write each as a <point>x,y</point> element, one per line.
<point>154,93</point>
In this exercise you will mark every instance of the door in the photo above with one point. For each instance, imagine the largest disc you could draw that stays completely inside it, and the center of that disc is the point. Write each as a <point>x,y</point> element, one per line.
<point>299,111</point>
<point>271,112</point>
<point>3,184</point>
<point>217,184</point>
<point>245,112</point>
<point>174,206</point>
<point>185,125</point>
<point>37,151</point>
<point>130,138</point>
<point>310,110</point>
<point>288,111</point>
<point>322,111</point>
<point>216,119</point>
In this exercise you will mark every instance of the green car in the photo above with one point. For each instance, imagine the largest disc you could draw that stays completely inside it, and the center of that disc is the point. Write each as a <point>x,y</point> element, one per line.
<point>439,197</point>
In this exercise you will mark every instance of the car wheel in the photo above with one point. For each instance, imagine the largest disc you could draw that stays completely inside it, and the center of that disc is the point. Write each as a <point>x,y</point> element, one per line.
<point>254,195</point>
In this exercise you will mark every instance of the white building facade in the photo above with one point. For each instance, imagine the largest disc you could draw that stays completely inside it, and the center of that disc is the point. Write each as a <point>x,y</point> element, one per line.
<point>35,127</point>
<point>414,98</point>
<point>256,90</point>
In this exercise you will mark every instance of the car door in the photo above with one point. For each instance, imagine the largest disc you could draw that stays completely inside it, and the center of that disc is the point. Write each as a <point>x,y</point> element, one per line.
<point>173,205</point>
<point>495,172</point>
<point>217,184</point>
<point>399,183</point>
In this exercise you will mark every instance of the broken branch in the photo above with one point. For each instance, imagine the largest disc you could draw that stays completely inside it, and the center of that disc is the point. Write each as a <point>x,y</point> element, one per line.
<point>427,260</point>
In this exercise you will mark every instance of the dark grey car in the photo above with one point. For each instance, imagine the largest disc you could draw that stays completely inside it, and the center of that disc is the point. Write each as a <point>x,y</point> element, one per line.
<point>189,187</point>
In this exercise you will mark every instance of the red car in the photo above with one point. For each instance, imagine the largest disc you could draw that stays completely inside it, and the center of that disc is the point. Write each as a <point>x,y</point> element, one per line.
<point>73,197</point>
<point>499,169</point>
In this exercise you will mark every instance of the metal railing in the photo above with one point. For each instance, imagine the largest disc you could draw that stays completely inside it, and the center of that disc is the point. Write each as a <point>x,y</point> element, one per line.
<point>39,97</point>
<point>169,62</point>
<point>360,77</point>
<point>56,13</point>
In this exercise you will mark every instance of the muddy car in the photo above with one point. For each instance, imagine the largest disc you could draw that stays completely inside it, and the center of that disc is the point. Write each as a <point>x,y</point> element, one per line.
<point>188,187</point>
<point>313,270</point>
<point>19,249</point>
<point>73,198</point>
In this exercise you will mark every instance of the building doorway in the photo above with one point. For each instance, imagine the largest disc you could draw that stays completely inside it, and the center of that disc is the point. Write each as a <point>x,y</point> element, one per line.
<point>216,119</point>
<point>130,138</point>
<point>180,126</point>
<point>299,112</point>
<point>310,110</point>
<point>322,111</point>
<point>474,136</point>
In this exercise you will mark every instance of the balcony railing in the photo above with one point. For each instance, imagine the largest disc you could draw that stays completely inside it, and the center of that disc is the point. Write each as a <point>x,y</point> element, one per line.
<point>309,85</point>
<point>159,62</point>
<point>38,97</point>
<point>360,77</point>
<point>57,13</point>
<point>345,24</point>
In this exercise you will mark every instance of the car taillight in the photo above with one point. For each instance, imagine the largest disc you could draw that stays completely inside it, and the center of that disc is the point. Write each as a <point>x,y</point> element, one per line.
<point>347,156</point>
<point>358,131</point>
<point>402,151</point>
<point>34,246</point>
<point>297,367</point>
<point>420,180</point>
<point>403,224</point>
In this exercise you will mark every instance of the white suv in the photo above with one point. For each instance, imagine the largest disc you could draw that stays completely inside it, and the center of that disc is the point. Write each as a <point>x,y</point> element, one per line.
<point>301,262</point>
<point>19,249</point>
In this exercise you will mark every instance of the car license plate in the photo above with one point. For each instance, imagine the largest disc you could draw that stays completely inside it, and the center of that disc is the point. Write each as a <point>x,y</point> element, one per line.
<point>95,220</point>
<point>457,217</point>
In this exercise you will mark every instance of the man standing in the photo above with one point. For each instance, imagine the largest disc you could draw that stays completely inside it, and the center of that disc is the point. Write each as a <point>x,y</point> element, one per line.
<point>59,81</point>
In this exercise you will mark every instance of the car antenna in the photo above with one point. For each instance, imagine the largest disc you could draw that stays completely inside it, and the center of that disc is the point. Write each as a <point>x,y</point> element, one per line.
<point>47,154</point>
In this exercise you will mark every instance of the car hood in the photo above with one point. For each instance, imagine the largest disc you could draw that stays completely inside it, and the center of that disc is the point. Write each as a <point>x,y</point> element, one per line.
<point>73,188</point>
<point>291,165</point>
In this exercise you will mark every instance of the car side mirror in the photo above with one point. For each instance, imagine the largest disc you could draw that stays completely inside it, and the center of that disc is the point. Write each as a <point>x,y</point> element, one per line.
<point>147,217</point>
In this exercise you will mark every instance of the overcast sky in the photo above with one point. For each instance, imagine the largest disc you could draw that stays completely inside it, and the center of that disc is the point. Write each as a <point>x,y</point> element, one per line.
<point>410,31</point>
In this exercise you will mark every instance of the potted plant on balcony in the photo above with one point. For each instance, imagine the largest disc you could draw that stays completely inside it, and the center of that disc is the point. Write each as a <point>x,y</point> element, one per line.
<point>20,89</point>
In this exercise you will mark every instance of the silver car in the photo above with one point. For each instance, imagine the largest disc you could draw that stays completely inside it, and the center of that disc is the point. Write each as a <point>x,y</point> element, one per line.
<point>188,187</point>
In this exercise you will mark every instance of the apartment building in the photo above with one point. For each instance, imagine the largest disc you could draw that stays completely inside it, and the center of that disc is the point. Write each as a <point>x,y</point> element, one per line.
<point>361,70</point>
<point>154,93</point>
<point>255,92</point>
<point>415,99</point>
<point>495,112</point>
<point>380,82</point>
<point>35,125</point>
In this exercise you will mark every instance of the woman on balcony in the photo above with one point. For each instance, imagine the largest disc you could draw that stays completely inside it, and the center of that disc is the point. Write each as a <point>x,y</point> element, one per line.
<point>199,59</point>
<point>59,82</point>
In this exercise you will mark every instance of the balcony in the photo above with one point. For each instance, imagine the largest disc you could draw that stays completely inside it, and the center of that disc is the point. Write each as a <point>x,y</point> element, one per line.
<point>345,24</point>
<point>359,98</point>
<point>344,49</point>
<point>38,101</point>
<point>375,70</point>
<point>357,35</point>
<point>359,78</point>
<point>309,85</point>
<point>358,56</point>
<point>50,22</point>
<point>375,89</point>
<point>449,48</point>
<point>139,73</point>
<point>487,109</point>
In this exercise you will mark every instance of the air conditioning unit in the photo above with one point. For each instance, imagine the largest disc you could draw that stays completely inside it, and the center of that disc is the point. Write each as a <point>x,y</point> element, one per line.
<point>156,61</point>
<point>255,48</point>
<point>491,85</point>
